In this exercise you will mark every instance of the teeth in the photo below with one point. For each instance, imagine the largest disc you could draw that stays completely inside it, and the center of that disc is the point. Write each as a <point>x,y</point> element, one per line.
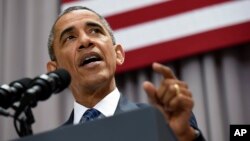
<point>90,59</point>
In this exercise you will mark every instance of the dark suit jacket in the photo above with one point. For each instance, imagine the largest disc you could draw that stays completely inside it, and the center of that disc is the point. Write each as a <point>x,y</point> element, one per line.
<point>125,105</point>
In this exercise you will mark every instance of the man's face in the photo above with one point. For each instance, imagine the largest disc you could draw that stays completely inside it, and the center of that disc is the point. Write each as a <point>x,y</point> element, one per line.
<point>83,46</point>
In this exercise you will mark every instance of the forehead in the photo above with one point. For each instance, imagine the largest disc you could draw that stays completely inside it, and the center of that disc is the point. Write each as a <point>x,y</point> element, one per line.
<point>74,16</point>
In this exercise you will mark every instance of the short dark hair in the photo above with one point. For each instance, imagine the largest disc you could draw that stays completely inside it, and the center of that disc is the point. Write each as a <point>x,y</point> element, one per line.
<point>52,31</point>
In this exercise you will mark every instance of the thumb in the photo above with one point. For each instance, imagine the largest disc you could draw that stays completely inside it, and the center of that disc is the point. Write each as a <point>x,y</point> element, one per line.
<point>151,92</point>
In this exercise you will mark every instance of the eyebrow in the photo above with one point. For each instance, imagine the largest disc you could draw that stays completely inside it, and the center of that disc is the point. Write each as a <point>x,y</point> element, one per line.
<point>67,30</point>
<point>94,24</point>
<point>71,28</point>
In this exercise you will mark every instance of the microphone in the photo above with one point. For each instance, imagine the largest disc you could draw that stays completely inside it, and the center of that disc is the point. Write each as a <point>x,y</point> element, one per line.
<point>42,87</point>
<point>13,92</point>
<point>46,84</point>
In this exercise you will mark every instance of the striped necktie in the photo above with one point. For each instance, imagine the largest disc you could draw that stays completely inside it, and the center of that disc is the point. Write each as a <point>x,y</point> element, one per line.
<point>90,115</point>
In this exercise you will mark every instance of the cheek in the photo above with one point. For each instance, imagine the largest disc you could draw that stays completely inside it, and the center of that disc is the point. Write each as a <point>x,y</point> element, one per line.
<point>65,58</point>
<point>112,58</point>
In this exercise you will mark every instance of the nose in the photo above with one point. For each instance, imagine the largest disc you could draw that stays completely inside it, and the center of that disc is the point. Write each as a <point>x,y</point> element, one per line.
<point>85,46</point>
<point>85,42</point>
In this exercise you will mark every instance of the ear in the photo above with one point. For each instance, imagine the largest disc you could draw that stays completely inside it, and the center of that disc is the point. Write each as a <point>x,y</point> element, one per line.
<point>120,54</point>
<point>51,66</point>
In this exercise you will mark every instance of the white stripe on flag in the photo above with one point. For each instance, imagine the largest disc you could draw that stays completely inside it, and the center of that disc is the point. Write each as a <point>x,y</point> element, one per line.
<point>185,24</point>
<point>111,7</point>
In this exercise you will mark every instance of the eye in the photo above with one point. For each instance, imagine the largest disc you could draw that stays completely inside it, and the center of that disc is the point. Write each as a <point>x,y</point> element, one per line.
<point>95,30</point>
<point>70,37</point>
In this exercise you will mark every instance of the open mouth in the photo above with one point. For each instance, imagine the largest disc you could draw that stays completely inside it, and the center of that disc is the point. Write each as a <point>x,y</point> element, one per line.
<point>90,58</point>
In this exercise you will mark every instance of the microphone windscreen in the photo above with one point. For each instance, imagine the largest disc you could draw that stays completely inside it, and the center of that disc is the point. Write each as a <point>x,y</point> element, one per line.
<point>62,78</point>
<point>25,82</point>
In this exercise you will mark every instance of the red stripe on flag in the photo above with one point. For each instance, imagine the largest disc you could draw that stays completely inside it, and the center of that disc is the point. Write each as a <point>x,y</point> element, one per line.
<point>168,8</point>
<point>191,45</point>
<point>67,1</point>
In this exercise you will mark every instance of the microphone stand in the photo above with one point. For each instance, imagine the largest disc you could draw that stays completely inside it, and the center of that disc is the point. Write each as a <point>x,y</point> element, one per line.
<point>25,119</point>
<point>22,122</point>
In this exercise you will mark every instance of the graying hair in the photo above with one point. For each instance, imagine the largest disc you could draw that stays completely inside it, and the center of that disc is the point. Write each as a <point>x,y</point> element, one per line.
<point>52,31</point>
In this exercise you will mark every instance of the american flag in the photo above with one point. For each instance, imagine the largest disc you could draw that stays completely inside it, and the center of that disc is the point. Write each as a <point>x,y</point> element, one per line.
<point>164,30</point>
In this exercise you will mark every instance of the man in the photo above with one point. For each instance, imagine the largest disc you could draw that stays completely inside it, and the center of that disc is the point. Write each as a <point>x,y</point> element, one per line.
<point>82,42</point>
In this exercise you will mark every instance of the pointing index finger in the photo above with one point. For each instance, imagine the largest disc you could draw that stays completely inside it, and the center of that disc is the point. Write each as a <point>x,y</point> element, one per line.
<point>164,70</point>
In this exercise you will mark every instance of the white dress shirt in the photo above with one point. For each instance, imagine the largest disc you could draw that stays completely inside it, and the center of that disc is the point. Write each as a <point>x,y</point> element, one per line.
<point>106,106</point>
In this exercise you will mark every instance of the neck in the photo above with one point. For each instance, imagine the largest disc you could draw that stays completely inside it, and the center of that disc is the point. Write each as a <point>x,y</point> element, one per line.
<point>90,96</point>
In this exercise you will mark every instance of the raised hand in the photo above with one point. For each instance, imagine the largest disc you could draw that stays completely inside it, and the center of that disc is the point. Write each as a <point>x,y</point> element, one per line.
<point>174,100</point>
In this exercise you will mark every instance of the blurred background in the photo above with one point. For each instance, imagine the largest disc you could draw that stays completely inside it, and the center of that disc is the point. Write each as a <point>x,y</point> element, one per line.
<point>206,43</point>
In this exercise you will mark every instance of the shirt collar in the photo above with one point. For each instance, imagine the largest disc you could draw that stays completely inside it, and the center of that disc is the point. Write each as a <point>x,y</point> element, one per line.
<point>106,106</point>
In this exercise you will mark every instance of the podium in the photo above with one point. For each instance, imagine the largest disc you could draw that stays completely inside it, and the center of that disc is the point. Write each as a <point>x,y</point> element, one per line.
<point>145,124</point>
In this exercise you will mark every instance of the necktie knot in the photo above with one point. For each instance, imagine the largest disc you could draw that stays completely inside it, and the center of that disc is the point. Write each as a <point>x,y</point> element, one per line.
<point>90,115</point>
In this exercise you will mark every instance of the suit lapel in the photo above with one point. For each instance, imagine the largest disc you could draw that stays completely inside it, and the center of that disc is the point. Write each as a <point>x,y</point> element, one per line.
<point>70,120</point>
<point>125,105</point>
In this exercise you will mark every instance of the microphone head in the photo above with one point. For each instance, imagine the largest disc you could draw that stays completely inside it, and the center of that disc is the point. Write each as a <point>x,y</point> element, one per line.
<point>62,79</point>
<point>24,83</point>
<point>13,92</point>
<point>52,82</point>
<point>42,88</point>
<point>19,87</point>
